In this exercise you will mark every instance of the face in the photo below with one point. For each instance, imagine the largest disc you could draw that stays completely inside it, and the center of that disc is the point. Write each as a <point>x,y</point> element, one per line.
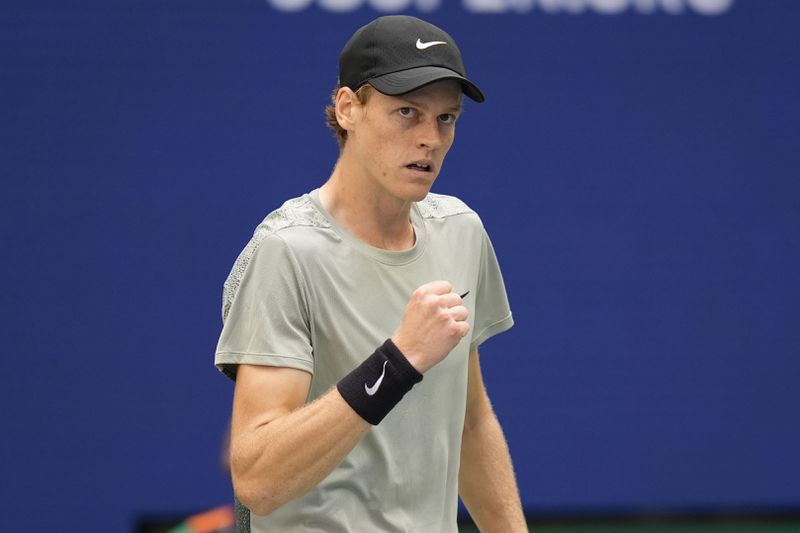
<point>400,141</point>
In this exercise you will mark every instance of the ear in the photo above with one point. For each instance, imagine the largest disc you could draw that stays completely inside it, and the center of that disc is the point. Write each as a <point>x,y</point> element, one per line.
<point>347,107</point>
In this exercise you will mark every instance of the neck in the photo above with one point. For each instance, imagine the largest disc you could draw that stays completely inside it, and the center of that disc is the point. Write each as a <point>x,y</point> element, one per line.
<point>366,210</point>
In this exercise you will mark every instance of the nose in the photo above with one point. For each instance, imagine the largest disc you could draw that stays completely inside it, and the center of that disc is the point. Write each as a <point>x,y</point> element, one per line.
<point>429,134</point>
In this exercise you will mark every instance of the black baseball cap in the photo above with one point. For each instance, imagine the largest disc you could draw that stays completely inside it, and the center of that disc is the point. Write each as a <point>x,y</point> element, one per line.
<point>397,54</point>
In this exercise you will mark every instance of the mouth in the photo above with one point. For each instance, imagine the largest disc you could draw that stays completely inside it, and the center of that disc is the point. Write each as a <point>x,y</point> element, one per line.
<point>420,166</point>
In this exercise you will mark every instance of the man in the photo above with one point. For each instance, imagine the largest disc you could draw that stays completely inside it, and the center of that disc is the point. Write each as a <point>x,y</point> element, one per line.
<point>347,296</point>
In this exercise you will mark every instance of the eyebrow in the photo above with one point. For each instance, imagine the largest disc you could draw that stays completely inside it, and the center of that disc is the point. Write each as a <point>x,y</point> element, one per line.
<point>454,108</point>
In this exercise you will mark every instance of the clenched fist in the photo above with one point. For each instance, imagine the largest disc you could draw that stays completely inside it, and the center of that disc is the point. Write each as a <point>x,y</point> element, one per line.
<point>433,324</point>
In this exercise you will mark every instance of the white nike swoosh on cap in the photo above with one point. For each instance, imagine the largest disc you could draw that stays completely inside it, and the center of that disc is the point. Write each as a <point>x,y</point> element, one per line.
<point>423,46</point>
<point>372,390</point>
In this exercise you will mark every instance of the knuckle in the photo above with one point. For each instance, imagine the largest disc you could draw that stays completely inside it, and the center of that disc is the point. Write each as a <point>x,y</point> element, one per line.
<point>433,300</point>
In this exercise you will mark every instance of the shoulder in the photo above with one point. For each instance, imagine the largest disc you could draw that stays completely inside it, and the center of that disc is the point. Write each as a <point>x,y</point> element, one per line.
<point>443,206</point>
<point>275,231</point>
<point>297,212</point>
<point>277,228</point>
<point>272,241</point>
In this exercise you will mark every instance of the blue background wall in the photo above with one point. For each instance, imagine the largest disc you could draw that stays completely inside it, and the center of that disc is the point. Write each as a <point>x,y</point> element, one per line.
<point>636,164</point>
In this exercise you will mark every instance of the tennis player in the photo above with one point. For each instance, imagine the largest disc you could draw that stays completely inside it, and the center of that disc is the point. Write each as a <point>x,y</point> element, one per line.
<point>352,319</point>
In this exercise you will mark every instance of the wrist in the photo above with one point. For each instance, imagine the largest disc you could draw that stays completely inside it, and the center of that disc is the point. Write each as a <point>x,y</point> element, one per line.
<point>374,387</point>
<point>410,355</point>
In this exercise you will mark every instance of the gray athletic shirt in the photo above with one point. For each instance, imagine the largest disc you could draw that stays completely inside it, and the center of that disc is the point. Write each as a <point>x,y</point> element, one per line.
<point>307,294</point>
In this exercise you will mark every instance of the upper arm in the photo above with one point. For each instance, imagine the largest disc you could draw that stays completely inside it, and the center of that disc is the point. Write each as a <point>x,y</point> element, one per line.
<point>268,322</point>
<point>478,404</point>
<point>264,393</point>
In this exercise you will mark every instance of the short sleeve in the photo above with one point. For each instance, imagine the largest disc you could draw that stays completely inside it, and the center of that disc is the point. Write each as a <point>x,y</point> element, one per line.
<point>268,319</point>
<point>492,311</point>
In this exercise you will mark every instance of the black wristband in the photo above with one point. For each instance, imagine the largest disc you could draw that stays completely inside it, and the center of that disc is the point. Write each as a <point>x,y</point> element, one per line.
<point>375,386</point>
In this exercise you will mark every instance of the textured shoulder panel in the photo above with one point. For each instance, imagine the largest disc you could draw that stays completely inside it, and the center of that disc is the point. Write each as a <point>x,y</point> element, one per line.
<point>441,206</point>
<point>293,213</point>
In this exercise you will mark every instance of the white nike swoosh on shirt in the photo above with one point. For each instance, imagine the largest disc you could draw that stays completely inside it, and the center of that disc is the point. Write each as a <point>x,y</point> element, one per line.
<point>423,46</point>
<point>372,390</point>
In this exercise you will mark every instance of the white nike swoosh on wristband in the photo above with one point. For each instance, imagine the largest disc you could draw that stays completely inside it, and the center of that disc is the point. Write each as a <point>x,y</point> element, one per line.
<point>372,390</point>
<point>423,46</point>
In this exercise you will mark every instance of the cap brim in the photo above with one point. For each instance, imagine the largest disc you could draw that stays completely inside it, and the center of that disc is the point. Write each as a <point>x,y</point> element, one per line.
<point>405,81</point>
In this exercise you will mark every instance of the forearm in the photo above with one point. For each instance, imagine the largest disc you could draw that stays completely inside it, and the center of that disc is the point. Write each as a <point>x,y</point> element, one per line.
<point>275,462</point>
<point>486,478</point>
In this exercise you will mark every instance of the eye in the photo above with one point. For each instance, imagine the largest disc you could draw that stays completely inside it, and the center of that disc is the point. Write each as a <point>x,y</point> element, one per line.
<point>407,112</point>
<point>447,118</point>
